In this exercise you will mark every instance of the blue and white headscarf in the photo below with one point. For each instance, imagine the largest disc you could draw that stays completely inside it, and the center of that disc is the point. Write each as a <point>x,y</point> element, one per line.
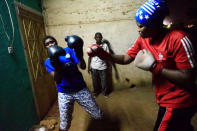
<point>152,13</point>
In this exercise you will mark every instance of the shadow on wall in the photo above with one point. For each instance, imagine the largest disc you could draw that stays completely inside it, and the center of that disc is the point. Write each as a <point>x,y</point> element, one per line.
<point>111,66</point>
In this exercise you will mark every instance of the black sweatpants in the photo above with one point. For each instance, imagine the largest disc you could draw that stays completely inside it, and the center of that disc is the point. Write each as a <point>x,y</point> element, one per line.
<point>174,119</point>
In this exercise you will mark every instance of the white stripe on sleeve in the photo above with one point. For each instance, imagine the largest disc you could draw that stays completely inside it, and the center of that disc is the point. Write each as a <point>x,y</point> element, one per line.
<point>191,45</point>
<point>188,52</point>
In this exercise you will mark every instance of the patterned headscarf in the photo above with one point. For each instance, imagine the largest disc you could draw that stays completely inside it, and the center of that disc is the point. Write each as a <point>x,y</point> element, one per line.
<point>152,13</point>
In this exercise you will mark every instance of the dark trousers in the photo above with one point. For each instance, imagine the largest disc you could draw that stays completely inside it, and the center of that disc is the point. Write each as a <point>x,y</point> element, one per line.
<point>99,79</point>
<point>174,119</point>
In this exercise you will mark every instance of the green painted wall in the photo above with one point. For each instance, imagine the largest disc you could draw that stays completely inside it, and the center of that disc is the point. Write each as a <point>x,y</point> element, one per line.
<point>35,4</point>
<point>17,107</point>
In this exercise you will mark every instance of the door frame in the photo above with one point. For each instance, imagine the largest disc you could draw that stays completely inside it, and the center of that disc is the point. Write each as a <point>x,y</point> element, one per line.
<point>28,9</point>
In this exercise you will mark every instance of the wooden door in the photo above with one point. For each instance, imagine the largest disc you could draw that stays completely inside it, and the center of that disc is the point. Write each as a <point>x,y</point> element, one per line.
<point>33,31</point>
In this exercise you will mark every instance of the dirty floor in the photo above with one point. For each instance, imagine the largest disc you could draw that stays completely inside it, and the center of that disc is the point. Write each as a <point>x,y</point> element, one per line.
<point>126,109</point>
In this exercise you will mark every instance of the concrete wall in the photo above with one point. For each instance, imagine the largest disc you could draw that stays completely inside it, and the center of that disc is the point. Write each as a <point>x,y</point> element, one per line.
<point>113,18</point>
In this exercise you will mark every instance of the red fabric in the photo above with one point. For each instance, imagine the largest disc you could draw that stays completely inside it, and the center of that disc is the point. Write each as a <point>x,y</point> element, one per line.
<point>99,51</point>
<point>156,69</point>
<point>166,120</point>
<point>173,51</point>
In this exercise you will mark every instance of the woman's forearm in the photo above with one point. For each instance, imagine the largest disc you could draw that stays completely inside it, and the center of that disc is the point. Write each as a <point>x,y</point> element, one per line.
<point>182,77</point>
<point>121,59</point>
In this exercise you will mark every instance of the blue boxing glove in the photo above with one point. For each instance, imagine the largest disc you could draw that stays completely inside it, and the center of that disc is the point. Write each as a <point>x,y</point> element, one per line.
<point>64,66</point>
<point>76,43</point>
<point>54,53</point>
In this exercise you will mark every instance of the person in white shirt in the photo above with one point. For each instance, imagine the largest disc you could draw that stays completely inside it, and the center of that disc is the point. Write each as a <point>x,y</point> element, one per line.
<point>98,69</point>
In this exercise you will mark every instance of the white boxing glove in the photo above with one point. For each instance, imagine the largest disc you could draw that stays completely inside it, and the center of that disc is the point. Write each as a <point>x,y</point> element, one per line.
<point>144,60</point>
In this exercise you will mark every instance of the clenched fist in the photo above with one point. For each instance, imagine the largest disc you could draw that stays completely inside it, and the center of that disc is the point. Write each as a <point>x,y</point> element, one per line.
<point>146,61</point>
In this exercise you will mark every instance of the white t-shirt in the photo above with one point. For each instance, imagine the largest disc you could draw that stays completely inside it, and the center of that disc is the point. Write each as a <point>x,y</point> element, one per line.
<point>96,62</point>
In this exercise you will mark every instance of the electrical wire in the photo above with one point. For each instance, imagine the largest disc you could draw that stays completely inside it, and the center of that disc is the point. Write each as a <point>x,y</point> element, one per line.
<point>11,45</point>
<point>5,29</point>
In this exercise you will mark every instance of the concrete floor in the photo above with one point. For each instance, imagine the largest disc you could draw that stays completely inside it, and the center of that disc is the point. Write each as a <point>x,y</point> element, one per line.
<point>126,109</point>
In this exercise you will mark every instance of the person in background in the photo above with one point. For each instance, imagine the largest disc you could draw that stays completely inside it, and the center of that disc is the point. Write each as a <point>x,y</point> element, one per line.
<point>99,69</point>
<point>71,87</point>
<point>170,56</point>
